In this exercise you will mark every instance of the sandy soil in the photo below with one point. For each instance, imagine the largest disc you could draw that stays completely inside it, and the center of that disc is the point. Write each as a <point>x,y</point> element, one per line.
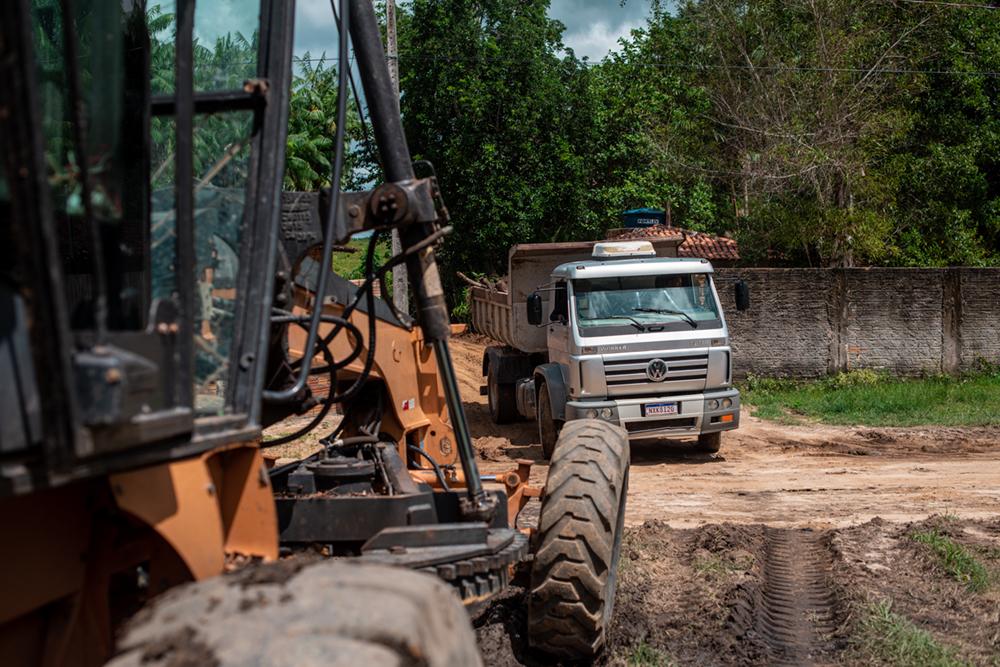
<point>814,475</point>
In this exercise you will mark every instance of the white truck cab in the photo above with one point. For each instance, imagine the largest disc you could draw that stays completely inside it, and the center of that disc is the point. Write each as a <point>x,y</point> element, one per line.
<point>630,338</point>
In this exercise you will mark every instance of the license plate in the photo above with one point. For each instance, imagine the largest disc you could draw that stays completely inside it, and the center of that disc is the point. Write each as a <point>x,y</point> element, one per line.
<point>652,409</point>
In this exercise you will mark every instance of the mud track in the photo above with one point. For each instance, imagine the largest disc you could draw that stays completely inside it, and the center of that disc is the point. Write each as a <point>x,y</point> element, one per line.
<point>794,609</point>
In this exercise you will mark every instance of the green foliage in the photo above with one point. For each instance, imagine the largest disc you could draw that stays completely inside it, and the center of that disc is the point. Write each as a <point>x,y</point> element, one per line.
<point>351,265</point>
<point>490,100</point>
<point>861,377</point>
<point>874,399</point>
<point>312,126</point>
<point>887,638</point>
<point>819,133</point>
<point>460,312</point>
<point>955,559</point>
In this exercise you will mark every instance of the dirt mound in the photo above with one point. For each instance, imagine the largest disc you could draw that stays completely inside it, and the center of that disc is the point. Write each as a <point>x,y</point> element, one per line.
<point>882,563</point>
<point>727,594</point>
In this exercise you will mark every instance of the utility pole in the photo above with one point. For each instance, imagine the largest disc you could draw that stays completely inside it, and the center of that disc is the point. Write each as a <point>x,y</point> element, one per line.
<point>400,286</point>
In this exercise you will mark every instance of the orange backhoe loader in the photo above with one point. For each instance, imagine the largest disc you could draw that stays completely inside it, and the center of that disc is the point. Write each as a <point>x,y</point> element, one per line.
<point>163,301</point>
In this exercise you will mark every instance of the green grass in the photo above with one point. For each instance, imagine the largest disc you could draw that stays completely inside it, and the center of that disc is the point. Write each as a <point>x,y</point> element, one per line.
<point>956,560</point>
<point>645,655</point>
<point>888,638</point>
<point>351,264</point>
<point>873,399</point>
<point>718,565</point>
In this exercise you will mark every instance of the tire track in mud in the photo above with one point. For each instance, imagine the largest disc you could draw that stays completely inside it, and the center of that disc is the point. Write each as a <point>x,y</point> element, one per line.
<point>790,616</point>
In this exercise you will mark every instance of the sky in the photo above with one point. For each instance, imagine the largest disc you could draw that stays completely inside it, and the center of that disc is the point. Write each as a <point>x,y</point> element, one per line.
<point>593,27</point>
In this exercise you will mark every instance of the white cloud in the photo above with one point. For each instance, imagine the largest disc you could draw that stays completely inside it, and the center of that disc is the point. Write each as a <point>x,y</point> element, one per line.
<point>599,40</point>
<point>593,27</point>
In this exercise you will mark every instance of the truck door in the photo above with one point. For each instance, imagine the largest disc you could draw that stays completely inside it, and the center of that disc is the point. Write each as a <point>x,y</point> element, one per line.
<point>557,337</point>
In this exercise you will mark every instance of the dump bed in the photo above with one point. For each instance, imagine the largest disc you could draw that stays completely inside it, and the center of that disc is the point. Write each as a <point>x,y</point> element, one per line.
<point>503,315</point>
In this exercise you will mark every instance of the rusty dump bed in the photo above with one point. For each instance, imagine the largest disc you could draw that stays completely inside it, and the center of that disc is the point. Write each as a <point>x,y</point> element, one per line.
<point>503,315</point>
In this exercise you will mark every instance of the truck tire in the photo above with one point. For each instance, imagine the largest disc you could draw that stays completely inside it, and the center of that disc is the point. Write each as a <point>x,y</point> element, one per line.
<point>709,443</point>
<point>501,397</point>
<point>323,613</point>
<point>575,569</point>
<point>548,427</point>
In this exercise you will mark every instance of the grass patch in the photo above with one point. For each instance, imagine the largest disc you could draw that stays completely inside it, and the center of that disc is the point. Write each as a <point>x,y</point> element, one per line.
<point>718,565</point>
<point>886,637</point>
<point>645,655</point>
<point>956,560</point>
<point>351,265</point>
<point>869,398</point>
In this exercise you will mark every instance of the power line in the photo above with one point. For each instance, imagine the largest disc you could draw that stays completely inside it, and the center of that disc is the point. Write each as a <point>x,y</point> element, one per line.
<point>942,3</point>
<point>701,66</point>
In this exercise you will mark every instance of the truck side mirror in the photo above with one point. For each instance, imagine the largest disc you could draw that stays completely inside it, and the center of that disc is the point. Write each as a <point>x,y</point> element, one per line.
<point>535,309</point>
<point>742,293</point>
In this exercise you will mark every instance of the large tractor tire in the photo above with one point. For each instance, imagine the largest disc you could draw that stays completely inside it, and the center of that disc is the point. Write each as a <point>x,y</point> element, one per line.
<point>501,397</point>
<point>574,573</point>
<point>548,426</point>
<point>326,613</point>
<point>709,443</point>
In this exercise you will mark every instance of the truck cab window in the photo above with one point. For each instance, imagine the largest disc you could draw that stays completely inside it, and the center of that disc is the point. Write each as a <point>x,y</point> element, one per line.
<point>560,304</point>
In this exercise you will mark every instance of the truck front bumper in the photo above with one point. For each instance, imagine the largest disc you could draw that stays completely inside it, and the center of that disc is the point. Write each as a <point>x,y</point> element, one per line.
<point>696,414</point>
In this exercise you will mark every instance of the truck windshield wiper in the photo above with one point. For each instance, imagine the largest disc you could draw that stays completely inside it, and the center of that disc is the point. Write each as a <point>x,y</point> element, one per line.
<point>668,311</point>
<point>636,323</point>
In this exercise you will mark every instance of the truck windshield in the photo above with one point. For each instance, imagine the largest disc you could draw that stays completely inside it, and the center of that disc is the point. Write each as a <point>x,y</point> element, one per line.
<point>608,306</point>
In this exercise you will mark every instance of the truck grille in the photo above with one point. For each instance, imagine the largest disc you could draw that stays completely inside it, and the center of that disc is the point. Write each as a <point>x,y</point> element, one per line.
<point>684,373</point>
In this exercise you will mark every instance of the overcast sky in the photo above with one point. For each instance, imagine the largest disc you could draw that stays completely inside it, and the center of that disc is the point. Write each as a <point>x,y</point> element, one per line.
<point>593,27</point>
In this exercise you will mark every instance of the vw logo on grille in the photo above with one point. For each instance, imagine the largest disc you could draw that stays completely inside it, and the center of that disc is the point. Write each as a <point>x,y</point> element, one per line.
<point>656,370</point>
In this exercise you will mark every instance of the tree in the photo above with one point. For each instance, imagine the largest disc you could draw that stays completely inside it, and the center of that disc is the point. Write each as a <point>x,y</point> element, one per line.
<point>491,101</point>
<point>312,126</point>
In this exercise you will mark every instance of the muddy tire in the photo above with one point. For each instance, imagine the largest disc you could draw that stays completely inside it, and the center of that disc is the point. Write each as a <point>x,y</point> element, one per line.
<point>501,398</point>
<point>575,570</point>
<point>326,613</point>
<point>709,443</point>
<point>548,427</point>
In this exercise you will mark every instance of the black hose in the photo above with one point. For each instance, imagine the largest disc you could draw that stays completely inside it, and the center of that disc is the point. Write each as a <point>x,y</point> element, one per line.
<point>434,464</point>
<point>370,357</point>
<point>327,405</point>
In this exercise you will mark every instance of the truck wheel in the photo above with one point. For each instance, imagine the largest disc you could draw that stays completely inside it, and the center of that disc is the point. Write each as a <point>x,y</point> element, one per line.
<point>548,428</point>
<point>575,569</point>
<point>709,443</point>
<point>501,397</point>
<point>325,613</point>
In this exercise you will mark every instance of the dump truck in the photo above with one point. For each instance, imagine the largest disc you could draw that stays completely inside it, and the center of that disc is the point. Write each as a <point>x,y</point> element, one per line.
<point>619,331</point>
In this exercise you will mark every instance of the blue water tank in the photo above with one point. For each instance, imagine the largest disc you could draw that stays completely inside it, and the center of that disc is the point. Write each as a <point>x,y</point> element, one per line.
<point>644,217</point>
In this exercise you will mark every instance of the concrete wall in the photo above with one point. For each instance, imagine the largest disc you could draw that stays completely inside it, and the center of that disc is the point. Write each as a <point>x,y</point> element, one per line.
<point>809,322</point>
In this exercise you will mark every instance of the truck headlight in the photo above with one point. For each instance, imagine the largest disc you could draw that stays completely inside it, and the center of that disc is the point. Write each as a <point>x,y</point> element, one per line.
<point>591,413</point>
<point>607,413</point>
<point>712,404</point>
<point>727,402</point>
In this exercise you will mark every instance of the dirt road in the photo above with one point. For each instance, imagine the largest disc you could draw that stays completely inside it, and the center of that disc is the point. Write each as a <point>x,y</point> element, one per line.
<point>795,545</point>
<point>817,476</point>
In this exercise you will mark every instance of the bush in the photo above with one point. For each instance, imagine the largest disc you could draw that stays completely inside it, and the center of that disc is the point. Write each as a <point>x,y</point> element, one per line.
<point>862,377</point>
<point>763,384</point>
<point>461,312</point>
